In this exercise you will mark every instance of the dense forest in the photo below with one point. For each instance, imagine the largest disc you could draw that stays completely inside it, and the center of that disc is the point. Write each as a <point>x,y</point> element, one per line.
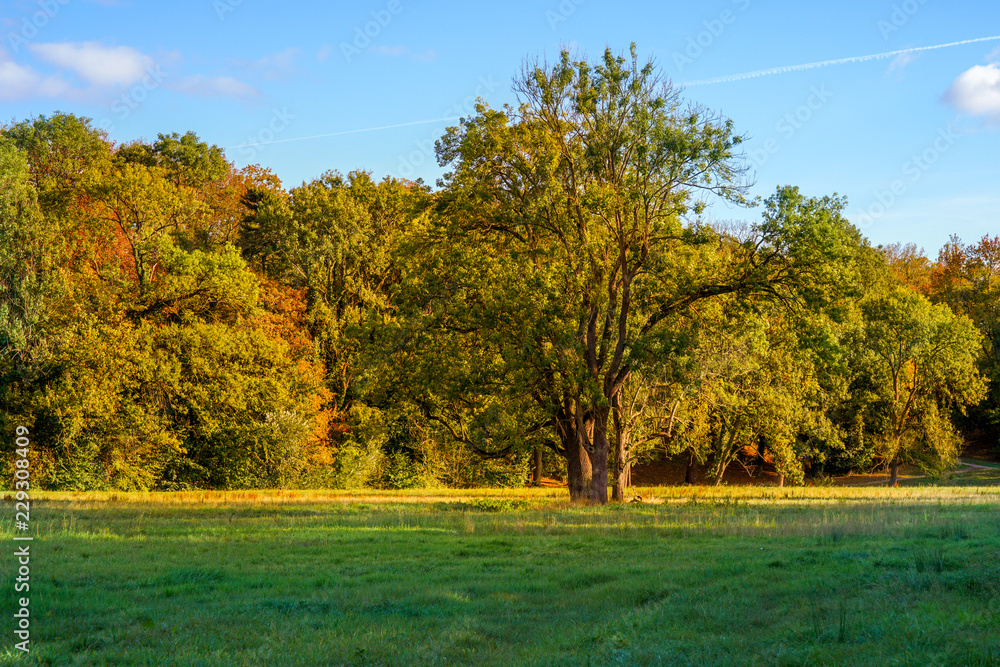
<point>168,321</point>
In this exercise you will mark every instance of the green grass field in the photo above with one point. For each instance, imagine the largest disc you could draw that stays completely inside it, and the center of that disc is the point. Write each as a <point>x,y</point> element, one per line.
<point>695,576</point>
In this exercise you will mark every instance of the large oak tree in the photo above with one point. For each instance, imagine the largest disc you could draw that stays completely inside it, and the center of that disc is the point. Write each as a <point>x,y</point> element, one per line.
<point>566,250</point>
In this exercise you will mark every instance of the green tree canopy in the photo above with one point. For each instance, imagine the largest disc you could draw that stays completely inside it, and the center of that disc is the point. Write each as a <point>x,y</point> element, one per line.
<point>569,246</point>
<point>918,363</point>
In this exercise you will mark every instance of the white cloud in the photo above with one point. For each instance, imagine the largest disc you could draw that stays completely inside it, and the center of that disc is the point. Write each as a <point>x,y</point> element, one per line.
<point>18,82</point>
<point>104,71</point>
<point>977,91</point>
<point>16,77</point>
<point>96,64</point>
<point>216,86</point>
<point>324,53</point>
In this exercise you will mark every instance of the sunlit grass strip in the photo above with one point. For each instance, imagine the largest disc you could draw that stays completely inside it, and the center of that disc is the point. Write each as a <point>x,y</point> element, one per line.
<point>653,495</point>
<point>290,497</point>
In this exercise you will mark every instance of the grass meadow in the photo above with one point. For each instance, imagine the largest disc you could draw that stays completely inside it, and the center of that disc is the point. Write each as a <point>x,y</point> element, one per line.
<point>693,576</point>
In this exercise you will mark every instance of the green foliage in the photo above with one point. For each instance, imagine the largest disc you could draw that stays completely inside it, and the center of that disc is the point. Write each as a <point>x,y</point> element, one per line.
<point>335,239</point>
<point>101,396</point>
<point>749,388</point>
<point>63,152</point>
<point>510,473</point>
<point>26,283</point>
<point>210,286</point>
<point>360,456</point>
<point>816,242</point>
<point>401,473</point>
<point>239,401</point>
<point>496,504</point>
<point>139,359</point>
<point>168,321</point>
<point>967,279</point>
<point>188,160</point>
<point>265,233</point>
<point>142,207</point>
<point>916,363</point>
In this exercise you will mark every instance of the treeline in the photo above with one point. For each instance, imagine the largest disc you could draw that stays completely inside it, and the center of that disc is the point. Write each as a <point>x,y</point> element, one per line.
<point>168,321</point>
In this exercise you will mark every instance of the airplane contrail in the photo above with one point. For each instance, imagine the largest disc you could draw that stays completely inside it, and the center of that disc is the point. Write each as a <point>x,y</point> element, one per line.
<point>839,61</point>
<point>703,82</point>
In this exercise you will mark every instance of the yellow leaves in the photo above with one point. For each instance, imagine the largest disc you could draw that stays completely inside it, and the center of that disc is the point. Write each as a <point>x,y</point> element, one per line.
<point>259,178</point>
<point>214,286</point>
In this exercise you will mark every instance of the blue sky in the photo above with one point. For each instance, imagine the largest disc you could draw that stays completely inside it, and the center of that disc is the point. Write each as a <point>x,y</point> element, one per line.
<point>911,139</point>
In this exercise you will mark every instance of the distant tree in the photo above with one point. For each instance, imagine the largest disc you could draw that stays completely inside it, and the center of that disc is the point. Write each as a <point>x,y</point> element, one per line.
<point>755,387</point>
<point>26,278</point>
<point>916,363</point>
<point>190,161</point>
<point>142,207</point>
<point>63,153</point>
<point>968,280</point>
<point>141,351</point>
<point>334,243</point>
<point>910,266</point>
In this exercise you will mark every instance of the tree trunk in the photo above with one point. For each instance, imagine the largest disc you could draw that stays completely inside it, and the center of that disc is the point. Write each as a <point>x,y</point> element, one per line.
<point>623,467</point>
<point>720,464</point>
<point>691,474</point>
<point>537,478</point>
<point>725,456</point>
<point>894,472</point>
<point>781,480</point>
<point>579,469</point>
<point>599,450</point>
<point>618,490</point>
<point>579,431</point>
<point>760,458</point>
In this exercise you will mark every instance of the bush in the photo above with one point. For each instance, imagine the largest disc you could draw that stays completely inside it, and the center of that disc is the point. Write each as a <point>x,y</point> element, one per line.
<point>496,504</point>
<point>401,472</point>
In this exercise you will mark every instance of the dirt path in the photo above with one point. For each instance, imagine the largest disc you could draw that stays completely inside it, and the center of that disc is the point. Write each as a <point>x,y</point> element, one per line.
<point>963,466</point>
